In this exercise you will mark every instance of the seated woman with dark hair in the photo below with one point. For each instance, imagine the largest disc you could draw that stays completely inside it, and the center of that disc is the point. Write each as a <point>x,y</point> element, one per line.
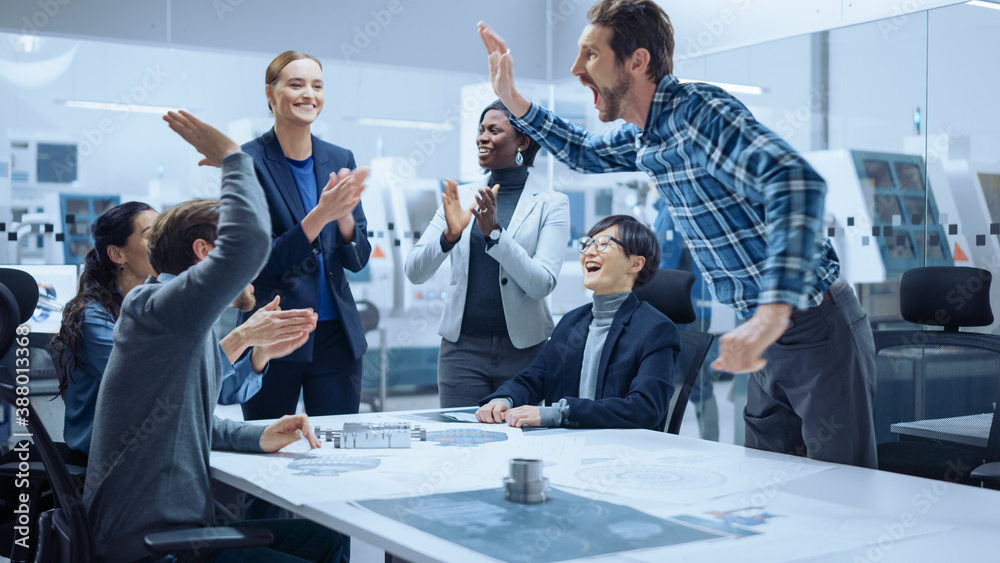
<point>608,364</point>
<point>116,265</point>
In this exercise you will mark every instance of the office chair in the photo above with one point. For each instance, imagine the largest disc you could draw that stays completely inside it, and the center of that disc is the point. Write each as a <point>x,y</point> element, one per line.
<point>948,378</point>
<point>669,292</point>
<point>62,535</point>
<point>370,321</point>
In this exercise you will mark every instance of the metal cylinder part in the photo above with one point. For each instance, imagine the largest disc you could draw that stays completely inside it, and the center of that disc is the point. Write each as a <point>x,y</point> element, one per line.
<point>525,485</point>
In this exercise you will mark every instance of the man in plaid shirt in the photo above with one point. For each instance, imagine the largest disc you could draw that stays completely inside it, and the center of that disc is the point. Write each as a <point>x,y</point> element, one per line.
<point>751,209</point>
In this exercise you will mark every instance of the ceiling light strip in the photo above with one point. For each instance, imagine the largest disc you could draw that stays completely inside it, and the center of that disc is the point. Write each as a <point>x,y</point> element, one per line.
<point>109,106</point>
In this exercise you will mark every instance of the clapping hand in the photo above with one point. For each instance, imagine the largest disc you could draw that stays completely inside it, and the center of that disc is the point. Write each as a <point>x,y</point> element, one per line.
<point>270,325</point>
<point>486,209</point>
<point>342,193</point>
<point>456,216</point>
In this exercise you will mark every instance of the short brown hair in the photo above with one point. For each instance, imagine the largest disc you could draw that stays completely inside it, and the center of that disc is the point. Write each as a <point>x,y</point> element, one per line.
<point>638,24</point>
<point>172,236</point>
<point>280,62</point>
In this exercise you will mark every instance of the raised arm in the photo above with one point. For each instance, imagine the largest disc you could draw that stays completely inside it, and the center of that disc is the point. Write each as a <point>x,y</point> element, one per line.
<point>200,294</point>
<point>502,71</point>
<point>574,146</point>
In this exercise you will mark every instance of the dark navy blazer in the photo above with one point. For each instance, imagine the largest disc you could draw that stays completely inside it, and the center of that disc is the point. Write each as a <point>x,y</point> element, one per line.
<point>292,271</point>
<point>635,374</point>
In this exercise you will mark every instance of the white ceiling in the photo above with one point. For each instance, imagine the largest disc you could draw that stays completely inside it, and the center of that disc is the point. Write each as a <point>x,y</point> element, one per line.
<point>438,34</point>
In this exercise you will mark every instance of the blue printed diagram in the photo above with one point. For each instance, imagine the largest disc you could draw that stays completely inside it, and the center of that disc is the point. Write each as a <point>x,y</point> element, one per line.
<point>465,437</point>
<point>332,465</point>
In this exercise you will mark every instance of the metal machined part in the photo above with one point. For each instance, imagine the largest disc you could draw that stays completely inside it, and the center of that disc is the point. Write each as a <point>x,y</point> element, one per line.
<point>525,485</point>
<point>367,435</point>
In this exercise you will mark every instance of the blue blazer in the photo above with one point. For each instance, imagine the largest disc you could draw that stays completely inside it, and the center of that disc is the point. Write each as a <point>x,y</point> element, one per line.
<point>635,374</point>
<point>292,270</point>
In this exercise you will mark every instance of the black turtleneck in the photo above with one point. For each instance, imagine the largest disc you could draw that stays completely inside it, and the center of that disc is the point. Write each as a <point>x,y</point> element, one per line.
<point>483,314</point>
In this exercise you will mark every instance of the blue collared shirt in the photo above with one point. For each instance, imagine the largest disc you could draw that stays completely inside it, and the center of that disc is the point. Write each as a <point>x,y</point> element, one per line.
<point>93,352</point>
<point>750,207</point>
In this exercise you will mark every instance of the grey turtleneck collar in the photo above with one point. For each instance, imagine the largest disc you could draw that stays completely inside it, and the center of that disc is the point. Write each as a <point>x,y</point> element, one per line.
<point>606,306</point>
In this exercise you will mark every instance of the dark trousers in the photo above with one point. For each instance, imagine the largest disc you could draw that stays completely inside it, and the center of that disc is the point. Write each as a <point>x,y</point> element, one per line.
<point>330,384</point>
<point>476,366</point>
<point>815,395</point>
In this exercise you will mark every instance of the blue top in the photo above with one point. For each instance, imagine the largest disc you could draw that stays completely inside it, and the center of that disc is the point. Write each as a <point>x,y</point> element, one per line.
<point>239,380</point>
<point>750,207</point>
<point>81,391</point>
<point>305,180</point>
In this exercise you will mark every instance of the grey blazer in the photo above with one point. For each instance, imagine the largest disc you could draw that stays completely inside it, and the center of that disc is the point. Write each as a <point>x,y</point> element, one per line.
<point>530,253</point>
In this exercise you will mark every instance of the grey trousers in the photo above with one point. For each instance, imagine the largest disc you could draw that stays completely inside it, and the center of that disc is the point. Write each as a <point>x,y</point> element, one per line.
<point>475,366</point>
<point>815,395</point>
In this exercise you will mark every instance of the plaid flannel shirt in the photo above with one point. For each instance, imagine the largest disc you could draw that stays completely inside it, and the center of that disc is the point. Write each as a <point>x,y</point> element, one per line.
<point>750,207</point>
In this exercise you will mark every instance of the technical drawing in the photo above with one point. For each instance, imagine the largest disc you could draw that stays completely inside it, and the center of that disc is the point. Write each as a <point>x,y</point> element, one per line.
<point>332,465</point>
<point>646,477</point>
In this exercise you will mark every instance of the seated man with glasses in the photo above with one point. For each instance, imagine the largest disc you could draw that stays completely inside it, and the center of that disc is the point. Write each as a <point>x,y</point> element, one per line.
<point>608,364</point>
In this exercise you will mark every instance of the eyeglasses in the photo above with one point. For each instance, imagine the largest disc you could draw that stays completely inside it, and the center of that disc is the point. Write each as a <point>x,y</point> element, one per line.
<point>601,243</point>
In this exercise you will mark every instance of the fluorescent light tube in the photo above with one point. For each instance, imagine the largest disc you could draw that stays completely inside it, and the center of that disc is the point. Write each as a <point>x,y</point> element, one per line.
<point>403,124</point>
<point>731,88</point>
<point>115,106</point>
<point>981,4</point>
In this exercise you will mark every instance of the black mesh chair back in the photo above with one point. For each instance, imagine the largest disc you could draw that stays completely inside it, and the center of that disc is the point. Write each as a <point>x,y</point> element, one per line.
<point>669,292</point>
<point>63,533</point>
<point>937,390</point>
<point>694,348</point>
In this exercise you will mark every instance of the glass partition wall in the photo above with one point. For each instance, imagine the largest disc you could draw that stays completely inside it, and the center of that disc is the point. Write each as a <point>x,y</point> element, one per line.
<point>897,115</point>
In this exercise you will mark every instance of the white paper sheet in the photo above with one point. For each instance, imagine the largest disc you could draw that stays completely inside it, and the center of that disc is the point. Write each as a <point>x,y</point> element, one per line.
<point>675,476</point>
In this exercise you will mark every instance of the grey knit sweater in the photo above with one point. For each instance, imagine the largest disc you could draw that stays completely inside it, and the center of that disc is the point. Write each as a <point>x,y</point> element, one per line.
<point>154,428</point>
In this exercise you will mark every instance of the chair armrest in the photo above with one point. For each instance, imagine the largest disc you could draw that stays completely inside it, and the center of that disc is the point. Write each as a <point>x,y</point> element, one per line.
<point>194,540</point>
<point>988,472</point>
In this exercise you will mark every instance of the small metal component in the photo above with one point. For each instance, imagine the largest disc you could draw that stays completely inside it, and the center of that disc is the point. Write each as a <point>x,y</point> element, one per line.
<point>364,435</point>
<point>525,484</point>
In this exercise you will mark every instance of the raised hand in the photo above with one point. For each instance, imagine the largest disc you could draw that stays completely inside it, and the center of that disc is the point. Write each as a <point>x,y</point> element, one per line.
<point>207,140</point>
<point>456,216</point>
<point>486,209</point>
<point>502,71</point>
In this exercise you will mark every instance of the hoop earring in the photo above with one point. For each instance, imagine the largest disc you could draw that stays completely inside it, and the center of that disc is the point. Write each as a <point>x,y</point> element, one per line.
<point>519,158</point>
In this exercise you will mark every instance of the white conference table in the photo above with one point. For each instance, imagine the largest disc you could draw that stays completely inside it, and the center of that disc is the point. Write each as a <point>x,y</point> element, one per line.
<point>967,518</point>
